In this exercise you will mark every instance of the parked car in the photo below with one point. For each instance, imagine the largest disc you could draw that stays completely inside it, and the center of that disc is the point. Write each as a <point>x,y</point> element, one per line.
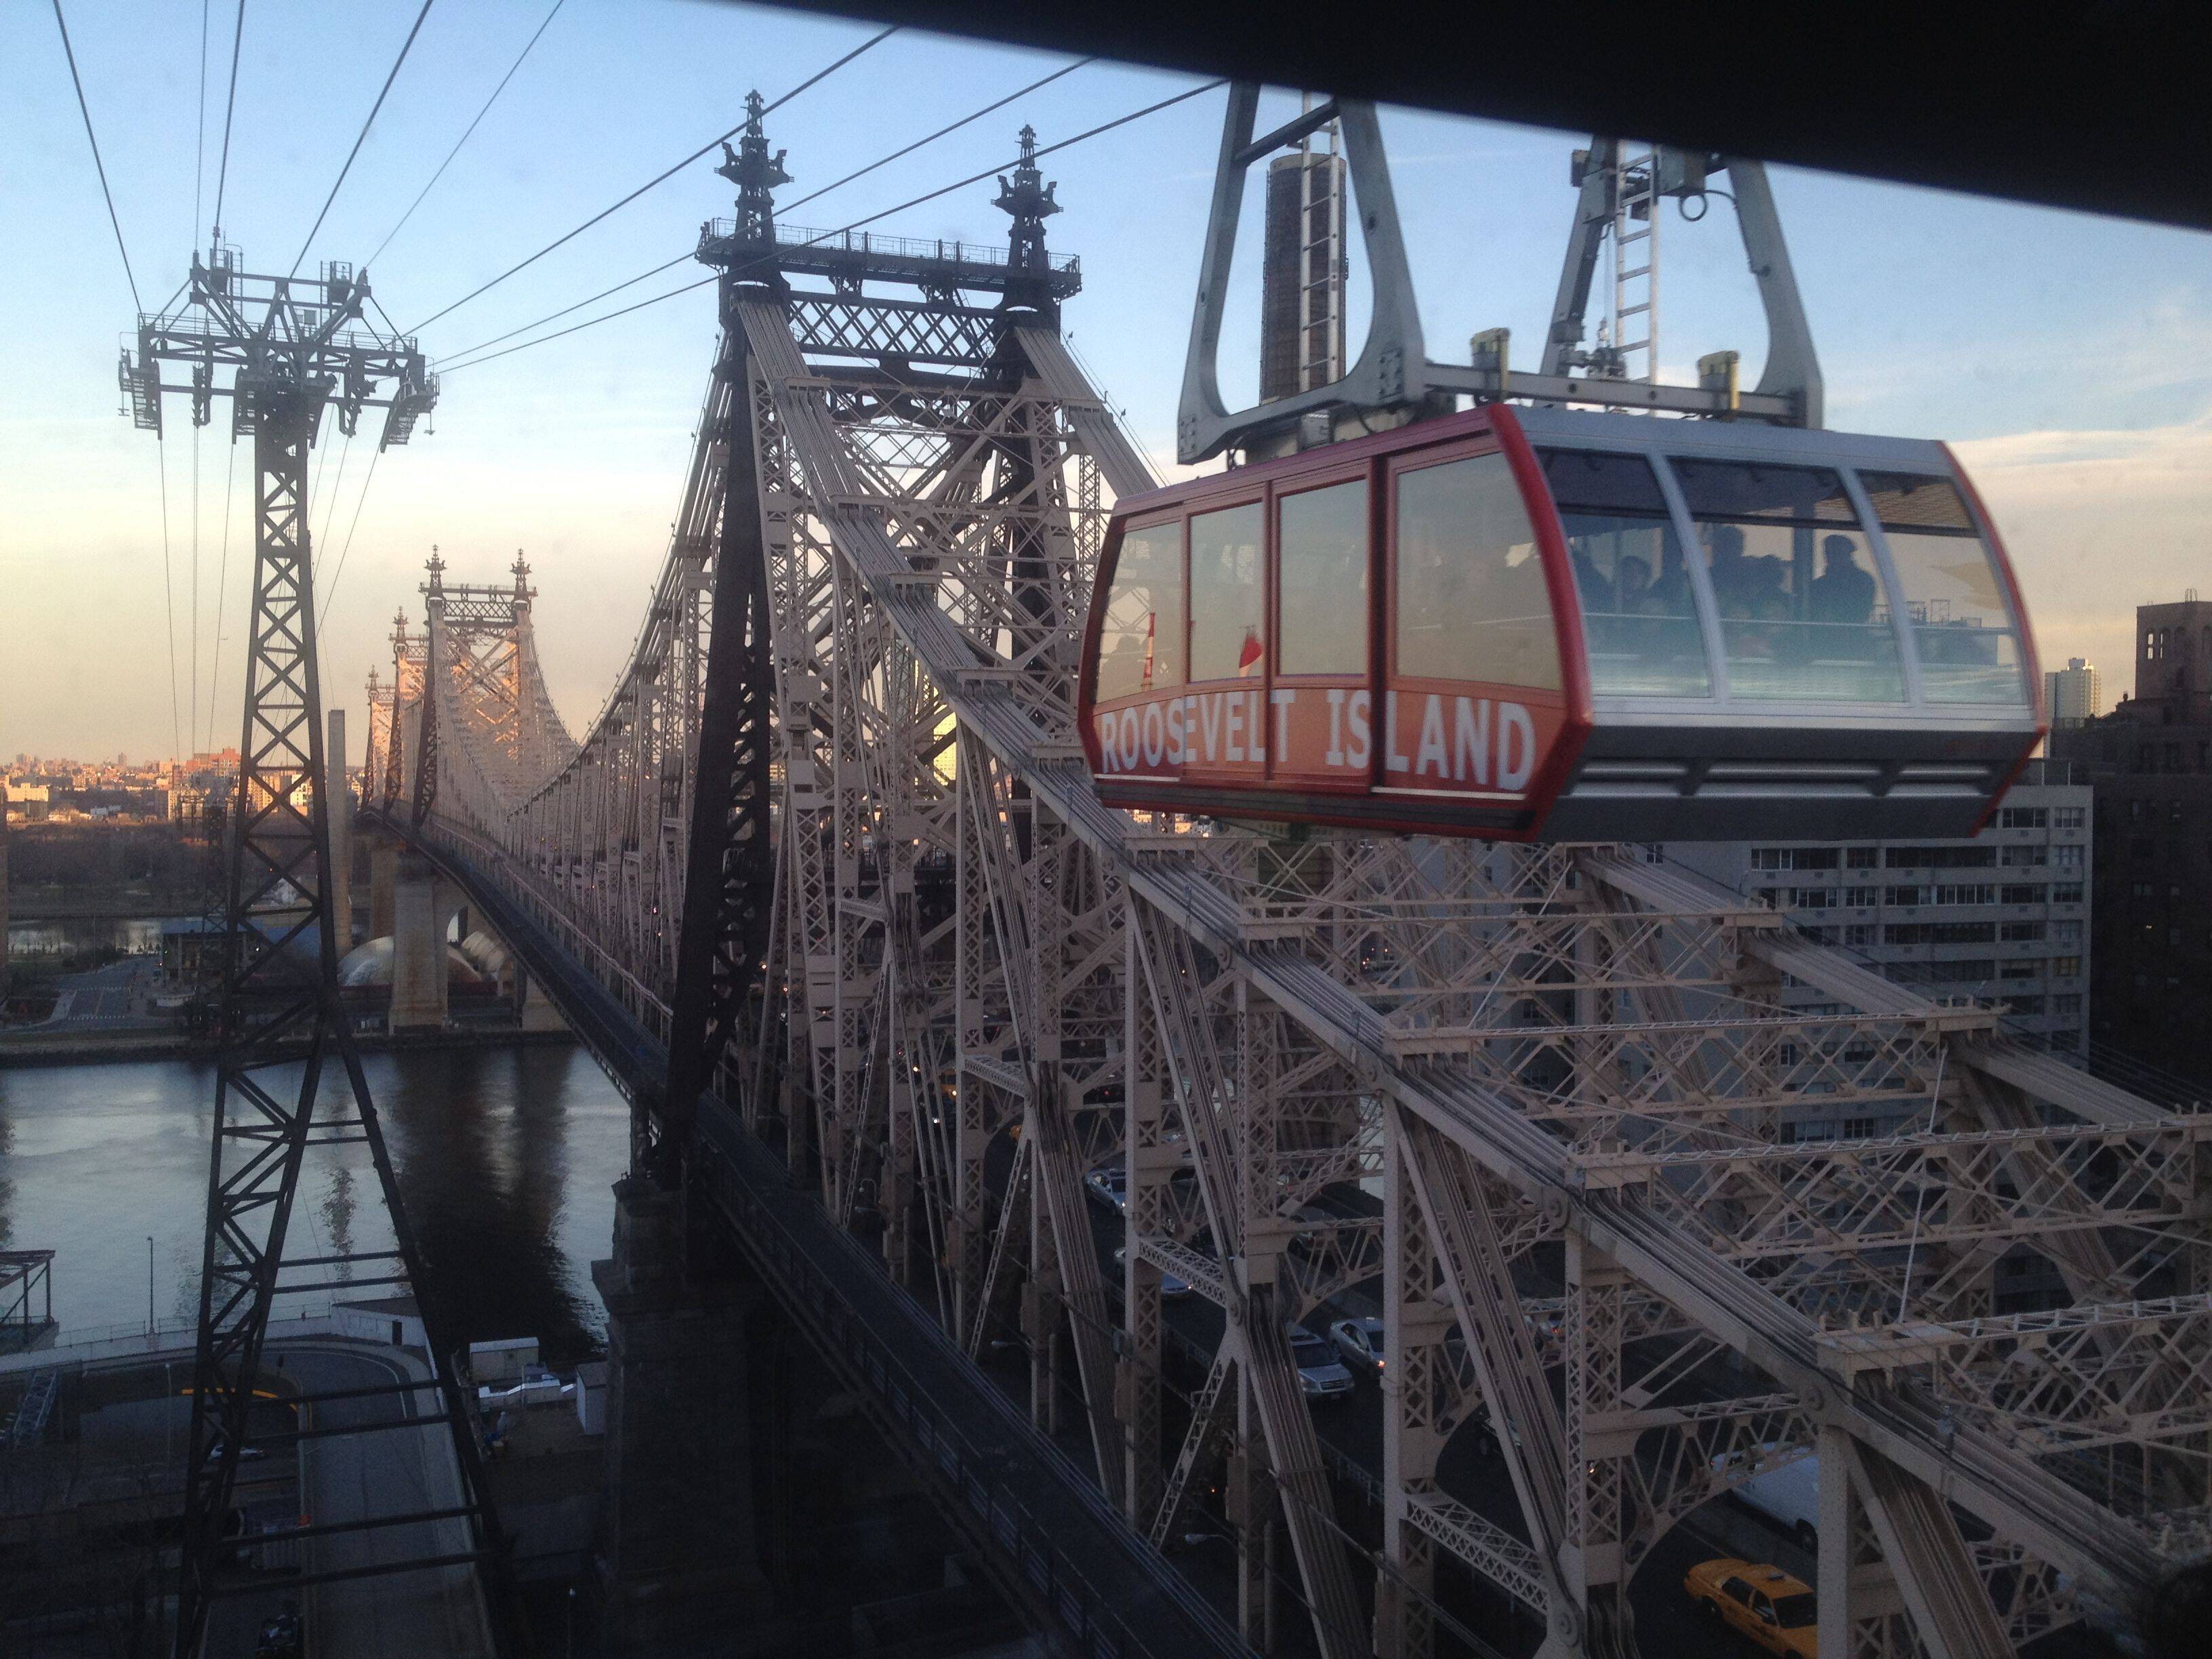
<point>1763,1603</point>
<point>1321,1373</point>
<point>1169,1284</point>
<point>1360,1342</point>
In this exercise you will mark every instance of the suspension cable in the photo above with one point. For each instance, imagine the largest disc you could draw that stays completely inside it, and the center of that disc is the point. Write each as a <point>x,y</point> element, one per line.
<point>821,236</point>
<point>362,138</point>
<point>229,109</point>
<point>85,110</point>
<point>659,179</point>
<point>464,136</point>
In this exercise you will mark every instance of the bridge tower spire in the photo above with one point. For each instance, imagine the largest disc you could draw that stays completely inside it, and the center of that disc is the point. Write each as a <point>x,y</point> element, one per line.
<point>1028,198</point>
<point>755,173</point>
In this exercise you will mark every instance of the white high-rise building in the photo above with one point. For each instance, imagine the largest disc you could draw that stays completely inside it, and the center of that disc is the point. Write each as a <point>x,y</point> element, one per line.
<point>2002,917</point>
<point>2071,693</point>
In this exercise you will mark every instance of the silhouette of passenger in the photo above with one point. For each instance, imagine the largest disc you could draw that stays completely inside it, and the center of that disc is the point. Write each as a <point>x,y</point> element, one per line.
<point>1731,581</point>
<point>1845,590</point>
<point>1590,584</point>
<point>1636,587</point>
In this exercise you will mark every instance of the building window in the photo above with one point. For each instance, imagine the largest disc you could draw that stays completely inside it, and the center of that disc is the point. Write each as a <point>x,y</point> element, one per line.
<point>2065,966</point>
<point>2020,893</point>
<point>2067,858</point>
<point>2068,818</point>
<point>1793,858</point>
<point>1859,932</point>
<point>2067,1002</point>
<point>2138,811</point>
<point>2068,1041</point>
<point>1862,896</point>
<point>1940,858</point>
<point>2021,932</point>
<point>2021,857</point>
<point>1939,932</point>
<point>2066,892</point>
<point>1858,1129</point>
<point>2066,934</point>
<point>2025,968</point>
<point>1862,857</point>
<point>2025,818</point>
<point>2026,1006</point>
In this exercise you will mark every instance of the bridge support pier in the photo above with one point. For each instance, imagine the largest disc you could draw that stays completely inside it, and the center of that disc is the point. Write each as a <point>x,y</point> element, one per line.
<point>679,1558</point>
<point>421,908</point>
<point>383,877</point>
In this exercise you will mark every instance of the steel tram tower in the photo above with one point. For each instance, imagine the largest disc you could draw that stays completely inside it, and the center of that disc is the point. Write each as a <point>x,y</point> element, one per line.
<point>292,346</point>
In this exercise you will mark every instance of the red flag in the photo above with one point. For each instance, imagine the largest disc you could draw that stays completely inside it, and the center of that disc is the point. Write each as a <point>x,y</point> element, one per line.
<point>1249,656</point>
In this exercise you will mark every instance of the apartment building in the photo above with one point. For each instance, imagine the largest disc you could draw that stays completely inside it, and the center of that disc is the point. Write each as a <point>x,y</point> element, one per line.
<point>2002,917</point>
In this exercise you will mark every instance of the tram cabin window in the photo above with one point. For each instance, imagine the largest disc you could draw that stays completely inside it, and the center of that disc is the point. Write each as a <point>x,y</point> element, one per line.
<point>1969,651</point>
<point>1141,638</point>
<point>1638,616</point>
<point>1227,594</point>
<point>1470,602</point>
<point>1322,577</point>
<point>1794,576</point>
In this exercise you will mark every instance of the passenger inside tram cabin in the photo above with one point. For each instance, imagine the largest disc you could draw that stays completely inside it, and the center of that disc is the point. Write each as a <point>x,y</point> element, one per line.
<point>1844,591</point>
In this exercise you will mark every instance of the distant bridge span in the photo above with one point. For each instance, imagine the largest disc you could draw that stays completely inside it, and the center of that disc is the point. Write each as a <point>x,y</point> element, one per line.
<point>827,876</point>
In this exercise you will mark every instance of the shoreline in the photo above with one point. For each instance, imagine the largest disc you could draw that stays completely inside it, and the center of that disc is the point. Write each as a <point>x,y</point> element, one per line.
<point>18,1052</point>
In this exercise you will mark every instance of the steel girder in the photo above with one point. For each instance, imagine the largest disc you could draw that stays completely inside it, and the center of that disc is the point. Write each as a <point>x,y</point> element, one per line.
<point>1558,1065</point>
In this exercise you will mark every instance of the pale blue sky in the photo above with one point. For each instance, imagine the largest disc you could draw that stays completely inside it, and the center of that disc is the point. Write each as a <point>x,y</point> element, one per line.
<point>2066,354</point>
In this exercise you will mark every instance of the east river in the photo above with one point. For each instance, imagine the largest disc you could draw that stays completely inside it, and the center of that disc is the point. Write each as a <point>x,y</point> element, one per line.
<point>506,1158</point>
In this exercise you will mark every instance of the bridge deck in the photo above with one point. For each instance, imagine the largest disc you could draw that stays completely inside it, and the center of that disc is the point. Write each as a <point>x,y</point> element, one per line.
<point>1043,1527</point>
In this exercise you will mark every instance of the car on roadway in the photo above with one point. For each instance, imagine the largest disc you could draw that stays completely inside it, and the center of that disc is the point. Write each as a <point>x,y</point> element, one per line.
<point>1109,1184</point>
<point>1321,1373</point>
<point>1360,1341</point>
<point>1169,1284</point>
<point>1761,1602</point>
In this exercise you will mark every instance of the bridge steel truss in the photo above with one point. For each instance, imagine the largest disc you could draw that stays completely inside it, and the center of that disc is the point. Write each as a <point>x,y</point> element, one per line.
<point>946,982</point>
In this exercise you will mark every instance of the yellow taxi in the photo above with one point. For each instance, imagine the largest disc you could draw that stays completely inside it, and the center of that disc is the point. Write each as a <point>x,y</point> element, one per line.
<point>1764,1603</point>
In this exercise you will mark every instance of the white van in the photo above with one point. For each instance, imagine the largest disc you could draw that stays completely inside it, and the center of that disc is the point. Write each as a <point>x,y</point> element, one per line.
<point>1790,1497</point>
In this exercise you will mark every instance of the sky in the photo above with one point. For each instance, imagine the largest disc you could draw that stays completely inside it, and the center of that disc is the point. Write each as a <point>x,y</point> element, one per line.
<point>2068,357</point>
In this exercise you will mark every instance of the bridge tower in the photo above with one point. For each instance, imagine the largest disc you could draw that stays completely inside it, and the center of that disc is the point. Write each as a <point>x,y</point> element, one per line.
<point>282,350</point>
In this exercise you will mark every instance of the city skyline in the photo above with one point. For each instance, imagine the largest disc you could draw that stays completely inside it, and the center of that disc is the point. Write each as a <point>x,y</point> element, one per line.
<point>2059,358</point>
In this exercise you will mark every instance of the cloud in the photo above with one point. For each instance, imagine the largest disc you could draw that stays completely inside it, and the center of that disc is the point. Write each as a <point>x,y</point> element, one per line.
<point>2099,522</point>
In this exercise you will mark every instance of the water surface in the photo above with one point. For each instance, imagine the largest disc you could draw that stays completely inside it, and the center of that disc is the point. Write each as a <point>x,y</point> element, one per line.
<point>505,1156</point>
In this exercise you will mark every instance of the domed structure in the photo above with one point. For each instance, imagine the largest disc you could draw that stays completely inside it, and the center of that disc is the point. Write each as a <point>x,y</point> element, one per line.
<point>368,966</point>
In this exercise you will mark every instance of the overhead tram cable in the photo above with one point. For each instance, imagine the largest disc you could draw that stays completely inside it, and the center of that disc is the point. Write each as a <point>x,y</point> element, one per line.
<point>466,135</point>
<point>362,138</point>
<point>101,166</point>
<point>337,573</point>
<point>168,590</point>
<point>788,248</point>
<point>681,258</point>
<point>229,110</point>
<point>815,79</point>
